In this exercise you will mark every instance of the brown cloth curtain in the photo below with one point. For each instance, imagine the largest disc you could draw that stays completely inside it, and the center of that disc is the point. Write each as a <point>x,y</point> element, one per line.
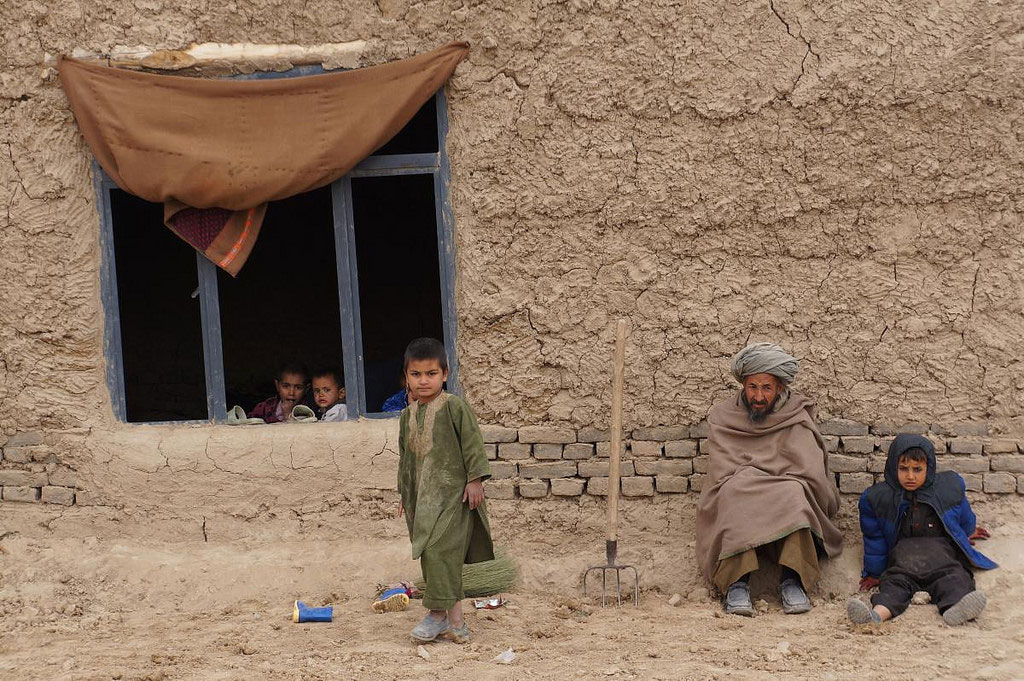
<point>214,152</point>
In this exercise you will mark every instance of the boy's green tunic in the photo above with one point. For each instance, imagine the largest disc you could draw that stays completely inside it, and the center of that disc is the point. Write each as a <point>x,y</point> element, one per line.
<point>440,450</point>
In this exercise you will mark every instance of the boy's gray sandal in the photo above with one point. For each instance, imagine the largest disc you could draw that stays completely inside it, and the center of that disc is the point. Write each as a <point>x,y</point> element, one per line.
<point>967,608</point>
<point>459,634</point>
<point>430,628</point>
<point>236,416</point>
<point>737,600</point>
<point>860,612</point>
<point>794,598</point>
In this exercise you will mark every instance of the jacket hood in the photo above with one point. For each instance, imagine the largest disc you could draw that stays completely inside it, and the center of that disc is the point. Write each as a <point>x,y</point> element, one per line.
<point>901,444</point>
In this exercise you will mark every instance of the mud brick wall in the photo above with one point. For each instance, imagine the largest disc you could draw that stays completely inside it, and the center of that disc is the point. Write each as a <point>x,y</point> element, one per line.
<point>30,471</point>
<point>535,462</point>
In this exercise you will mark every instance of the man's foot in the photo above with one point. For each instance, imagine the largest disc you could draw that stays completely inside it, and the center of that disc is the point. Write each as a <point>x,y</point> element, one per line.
<point>967,608</point>
<point>860,612</point>
<point>794,599</point>
<point>430,628</point>
<point>458,634</point>
<point>737,600</point>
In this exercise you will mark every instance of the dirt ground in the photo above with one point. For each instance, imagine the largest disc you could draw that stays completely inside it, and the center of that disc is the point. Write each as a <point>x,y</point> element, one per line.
<point>100,593</point>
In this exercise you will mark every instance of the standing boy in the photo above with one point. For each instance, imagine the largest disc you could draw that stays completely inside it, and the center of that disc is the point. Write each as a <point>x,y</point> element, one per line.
<point>441,469</point>
<point>329,395</point>
<point>918,529</point>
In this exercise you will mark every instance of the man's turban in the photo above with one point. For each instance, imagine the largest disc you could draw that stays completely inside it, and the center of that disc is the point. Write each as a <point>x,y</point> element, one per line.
<point>764,358</point>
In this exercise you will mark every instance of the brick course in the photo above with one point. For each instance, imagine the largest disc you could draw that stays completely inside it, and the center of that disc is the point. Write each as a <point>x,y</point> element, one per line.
<point>19,478</point>
<point>599,469</point>
<point>501,470</point>
<point>962,464</point>
<point>547,451</point>
<point>578,451</point>
<point>555,469</point>
<point>513,451</point>
<point>58,495</point>
<point>637,486</point>
<point>663,467</point>
<point>994,483</point>
<point>20,493</point>
<point>495,434</point>
<point>671,484</point>
<point>493,489</point>
<point>1012,463</point>
<point>681,448</point>
<point>533,489</point>
<point>546,435</point>
<point>645,448</point>
<point>567,487</point>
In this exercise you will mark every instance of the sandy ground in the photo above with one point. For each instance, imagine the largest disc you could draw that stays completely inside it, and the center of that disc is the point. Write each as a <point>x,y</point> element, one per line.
<point>106,594</point>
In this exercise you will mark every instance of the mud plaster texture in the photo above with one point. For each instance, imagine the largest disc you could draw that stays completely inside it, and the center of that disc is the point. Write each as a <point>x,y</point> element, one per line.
<point>845,181</point>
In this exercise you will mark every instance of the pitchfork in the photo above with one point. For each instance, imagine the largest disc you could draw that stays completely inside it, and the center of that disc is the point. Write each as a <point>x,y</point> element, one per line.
<point>611,543</point>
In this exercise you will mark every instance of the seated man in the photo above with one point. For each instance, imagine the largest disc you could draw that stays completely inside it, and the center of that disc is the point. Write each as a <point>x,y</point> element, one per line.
<point>768,494</point>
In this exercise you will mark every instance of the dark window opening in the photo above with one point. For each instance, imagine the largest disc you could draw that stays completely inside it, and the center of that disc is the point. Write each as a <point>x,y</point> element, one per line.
<point>161,330</point>
<point>399,281</point>
<point>283,306</point>
<point>419,136</point>
<point>194,341</point>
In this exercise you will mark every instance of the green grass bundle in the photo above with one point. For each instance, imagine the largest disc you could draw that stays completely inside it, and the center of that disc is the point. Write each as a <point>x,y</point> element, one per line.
<point>487,578</point>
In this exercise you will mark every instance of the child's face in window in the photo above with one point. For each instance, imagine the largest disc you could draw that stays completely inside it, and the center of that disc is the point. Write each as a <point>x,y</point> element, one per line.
<point>423,379</point>
<point>290,387</point>
<point>326,392</point>
<point>911,474</point>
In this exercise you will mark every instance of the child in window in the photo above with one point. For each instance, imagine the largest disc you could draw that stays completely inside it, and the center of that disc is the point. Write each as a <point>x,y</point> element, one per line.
<point>290,384</point>
<point>399,400</point>
<point>918,533</point>
<point>441,469</point>
<point>329,395</point>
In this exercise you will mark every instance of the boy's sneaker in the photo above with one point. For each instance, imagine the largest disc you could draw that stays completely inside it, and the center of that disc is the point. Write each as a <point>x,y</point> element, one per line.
<point>794,598</point>
<point>392,600</point>
<point>967,608</point>
<point>737,600</point>
<point>459,634</point>
<point>430,628</point>
<point>860,612</point>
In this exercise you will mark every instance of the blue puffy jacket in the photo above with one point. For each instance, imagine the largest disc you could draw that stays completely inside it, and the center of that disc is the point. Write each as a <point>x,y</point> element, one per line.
<point>882,507</point>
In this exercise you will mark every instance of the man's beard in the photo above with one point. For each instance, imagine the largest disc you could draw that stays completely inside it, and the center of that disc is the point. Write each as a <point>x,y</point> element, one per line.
<point>759,414</point>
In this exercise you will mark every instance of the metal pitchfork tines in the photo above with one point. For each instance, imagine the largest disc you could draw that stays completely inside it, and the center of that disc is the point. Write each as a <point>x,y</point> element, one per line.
<point>611,547</point>
<point>611,543</point>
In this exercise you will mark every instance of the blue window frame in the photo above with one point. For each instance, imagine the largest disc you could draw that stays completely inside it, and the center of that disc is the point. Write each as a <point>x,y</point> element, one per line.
<point>431,167</point>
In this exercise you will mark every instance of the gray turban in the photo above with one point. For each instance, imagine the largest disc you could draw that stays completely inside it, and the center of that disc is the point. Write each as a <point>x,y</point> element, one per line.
<point>764,358</point>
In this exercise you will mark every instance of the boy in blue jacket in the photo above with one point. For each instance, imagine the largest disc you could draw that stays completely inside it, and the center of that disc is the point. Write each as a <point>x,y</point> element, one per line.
<point>918,528</point>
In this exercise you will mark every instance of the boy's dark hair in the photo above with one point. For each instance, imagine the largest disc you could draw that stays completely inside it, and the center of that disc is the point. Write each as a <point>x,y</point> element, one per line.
<point>293,368</point>
<point>333,372</point>
<point>425,348</point>
<point>914,454</point>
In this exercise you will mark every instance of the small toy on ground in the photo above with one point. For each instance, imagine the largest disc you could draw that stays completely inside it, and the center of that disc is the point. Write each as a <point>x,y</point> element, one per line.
<point>391,600</point>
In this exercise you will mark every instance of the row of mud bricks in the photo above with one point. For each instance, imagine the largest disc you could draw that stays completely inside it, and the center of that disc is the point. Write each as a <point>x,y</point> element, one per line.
<point>30,472</point>
<point>535,462</point>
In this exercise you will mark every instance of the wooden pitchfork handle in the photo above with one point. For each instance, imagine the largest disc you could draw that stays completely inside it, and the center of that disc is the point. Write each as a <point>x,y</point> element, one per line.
<point>616,443</point>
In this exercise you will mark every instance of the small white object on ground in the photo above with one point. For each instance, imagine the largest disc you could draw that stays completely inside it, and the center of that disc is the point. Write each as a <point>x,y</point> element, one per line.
<point>422,652</point>
<point>504,657</point>
<point>675,600</point>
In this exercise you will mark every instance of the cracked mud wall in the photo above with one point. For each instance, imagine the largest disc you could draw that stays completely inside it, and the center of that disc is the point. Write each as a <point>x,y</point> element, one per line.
<point>843,180</point>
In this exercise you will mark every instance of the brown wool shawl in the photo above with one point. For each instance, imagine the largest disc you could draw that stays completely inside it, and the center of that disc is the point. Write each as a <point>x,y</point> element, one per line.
<point>765,481</point>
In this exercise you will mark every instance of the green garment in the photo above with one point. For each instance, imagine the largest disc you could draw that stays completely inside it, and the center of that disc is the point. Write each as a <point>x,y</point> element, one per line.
<point>440,450</point>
